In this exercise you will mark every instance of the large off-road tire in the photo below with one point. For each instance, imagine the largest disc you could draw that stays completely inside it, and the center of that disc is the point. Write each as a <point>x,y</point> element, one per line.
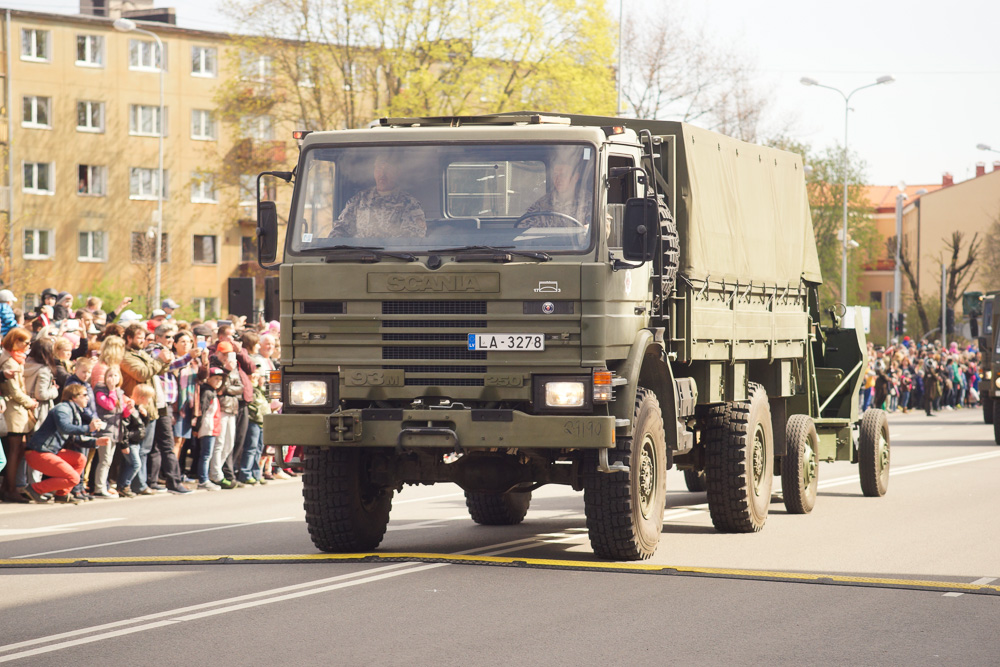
<point>625,509</point>
<point>739,463</point>
<point>498,509</point>
<point>695,480</point>
<point>987,402</point>
<point>344,511</point>
<point>873,453</point>
<point>996,422</point>
<point>799,465</point>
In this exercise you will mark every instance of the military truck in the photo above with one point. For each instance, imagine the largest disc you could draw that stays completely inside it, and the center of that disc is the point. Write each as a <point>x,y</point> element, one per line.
<point>987,352</point>
<point>510,301</point>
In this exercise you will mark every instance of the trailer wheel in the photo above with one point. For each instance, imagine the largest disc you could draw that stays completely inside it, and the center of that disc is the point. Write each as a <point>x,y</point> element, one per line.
<point>695,480</point>
<point>498,509</point>
<point>625,509</point>
<point>873,453</point>
<point>799,465</point>
<point>344,511</point>
<point>739,463</point>
<point>987,402</point>
<point>996,421</point>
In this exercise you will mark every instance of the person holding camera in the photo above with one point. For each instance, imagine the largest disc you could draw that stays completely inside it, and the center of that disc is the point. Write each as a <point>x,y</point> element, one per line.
<point>47,451</point>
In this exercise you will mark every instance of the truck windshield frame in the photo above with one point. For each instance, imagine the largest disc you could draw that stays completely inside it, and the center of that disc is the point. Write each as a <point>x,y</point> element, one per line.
<point>420,197</point>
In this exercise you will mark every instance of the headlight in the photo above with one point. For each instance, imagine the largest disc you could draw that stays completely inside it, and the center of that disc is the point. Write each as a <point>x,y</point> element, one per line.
<point>997,382</point>
<point>565,394</point>
<point>307,392</point>
<point>989,374</point>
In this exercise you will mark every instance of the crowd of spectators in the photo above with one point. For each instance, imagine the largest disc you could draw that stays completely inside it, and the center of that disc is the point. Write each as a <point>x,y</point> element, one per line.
<point>910,375</point>
<point>115,405</point>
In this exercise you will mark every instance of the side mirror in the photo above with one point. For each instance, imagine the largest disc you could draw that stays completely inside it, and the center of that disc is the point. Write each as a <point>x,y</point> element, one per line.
<point>267,232</point>
<point>640,229</point>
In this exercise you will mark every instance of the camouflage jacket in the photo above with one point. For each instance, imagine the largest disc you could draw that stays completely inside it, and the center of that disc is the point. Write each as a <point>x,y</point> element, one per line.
<point>370,214</point>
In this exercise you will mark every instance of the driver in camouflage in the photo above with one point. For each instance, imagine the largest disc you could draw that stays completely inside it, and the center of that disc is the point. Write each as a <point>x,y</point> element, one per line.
<point>384,210</point>
<point>564,197</point>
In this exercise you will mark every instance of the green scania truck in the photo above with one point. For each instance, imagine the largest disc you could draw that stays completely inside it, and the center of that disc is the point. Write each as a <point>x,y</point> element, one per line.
<point>509,301</point>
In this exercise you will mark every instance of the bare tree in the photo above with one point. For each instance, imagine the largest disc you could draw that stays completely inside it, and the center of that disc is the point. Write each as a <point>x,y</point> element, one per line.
<point>672,70</point>
<point>961,273</point>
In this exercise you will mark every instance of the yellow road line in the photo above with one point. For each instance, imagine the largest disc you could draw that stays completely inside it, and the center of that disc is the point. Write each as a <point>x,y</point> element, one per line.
<point>594,566</point>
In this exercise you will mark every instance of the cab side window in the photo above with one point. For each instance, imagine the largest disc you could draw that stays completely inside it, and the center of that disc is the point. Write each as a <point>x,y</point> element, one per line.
<point>620,190</point>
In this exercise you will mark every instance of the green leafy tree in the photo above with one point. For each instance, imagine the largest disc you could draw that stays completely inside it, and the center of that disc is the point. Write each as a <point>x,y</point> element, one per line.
<point>825,185</point>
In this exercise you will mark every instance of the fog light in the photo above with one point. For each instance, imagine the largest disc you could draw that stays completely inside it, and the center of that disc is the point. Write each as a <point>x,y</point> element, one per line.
<point>307,392</point>
<point>564,394</point>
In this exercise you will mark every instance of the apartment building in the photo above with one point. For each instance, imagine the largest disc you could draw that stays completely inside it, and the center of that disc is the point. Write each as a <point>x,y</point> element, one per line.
<point>931,213</point>
<point>82,180</point>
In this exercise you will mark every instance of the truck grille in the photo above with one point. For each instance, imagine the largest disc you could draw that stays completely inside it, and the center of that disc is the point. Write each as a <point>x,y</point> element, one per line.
<point>434,375</point>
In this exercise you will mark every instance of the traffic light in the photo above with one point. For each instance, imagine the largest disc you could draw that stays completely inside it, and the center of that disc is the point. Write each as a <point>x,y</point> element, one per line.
<point>900,328</point>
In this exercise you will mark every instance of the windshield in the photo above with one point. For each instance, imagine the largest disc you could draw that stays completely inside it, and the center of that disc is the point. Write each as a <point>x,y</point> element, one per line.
<point>414,198</point>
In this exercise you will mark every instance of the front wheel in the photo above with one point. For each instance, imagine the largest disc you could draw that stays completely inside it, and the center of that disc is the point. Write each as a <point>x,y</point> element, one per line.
<point>873,453</point>
<point>625,509</point>
<point>344,510</point>
<point>996,422</point>
<point>987,402</point>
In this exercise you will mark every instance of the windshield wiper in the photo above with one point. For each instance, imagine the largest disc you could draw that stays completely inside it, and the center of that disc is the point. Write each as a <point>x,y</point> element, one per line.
<point>375,254</point>
<point>499,252</point>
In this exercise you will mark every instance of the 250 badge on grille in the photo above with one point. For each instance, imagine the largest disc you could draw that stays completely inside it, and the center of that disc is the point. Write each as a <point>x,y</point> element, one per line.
<point>518,342</point>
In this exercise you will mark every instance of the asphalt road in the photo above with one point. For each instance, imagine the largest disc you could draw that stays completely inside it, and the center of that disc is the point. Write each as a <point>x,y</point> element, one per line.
<point>911,578</point>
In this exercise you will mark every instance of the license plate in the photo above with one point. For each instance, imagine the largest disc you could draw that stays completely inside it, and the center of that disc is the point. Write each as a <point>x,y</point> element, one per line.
<point>518,342</point>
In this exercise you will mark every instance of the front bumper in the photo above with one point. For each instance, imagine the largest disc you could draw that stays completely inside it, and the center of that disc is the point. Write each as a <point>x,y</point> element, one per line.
<point>468,429</point>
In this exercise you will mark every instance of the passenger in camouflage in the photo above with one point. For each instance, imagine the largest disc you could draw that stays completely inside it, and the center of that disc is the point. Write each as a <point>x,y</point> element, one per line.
<point>382,211</point>
<point>565,197</point>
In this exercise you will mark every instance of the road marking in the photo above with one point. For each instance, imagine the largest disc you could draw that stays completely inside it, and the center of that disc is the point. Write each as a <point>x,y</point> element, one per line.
<point>204,610</point>
<point>430,523</point>
<point>978,582</point>
<point>10,532</point>
<point>153,537</point>
<point>917,467</point>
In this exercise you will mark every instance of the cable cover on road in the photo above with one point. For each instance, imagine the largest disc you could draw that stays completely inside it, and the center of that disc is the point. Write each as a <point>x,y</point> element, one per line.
<point>499,561</point>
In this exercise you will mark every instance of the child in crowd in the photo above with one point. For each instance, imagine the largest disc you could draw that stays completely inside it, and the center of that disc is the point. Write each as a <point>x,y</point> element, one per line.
<point>210,425</point>
<point>135,427</point>
<point>253,445</point>
<point>113,407</point>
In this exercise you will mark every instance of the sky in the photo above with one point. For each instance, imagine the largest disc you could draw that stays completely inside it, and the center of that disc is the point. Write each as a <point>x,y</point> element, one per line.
<point>945,58</point>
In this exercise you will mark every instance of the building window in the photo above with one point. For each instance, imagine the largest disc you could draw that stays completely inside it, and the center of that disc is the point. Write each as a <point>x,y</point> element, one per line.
<point>876,300</point>
<point>39,178</point>
<point>202,125</point>
<point>144,120</point>
<point>143,55</point>
<point>258,128</point>
<point>306,69</point>
<point>30,301</point>
<point>38,244</point>
<point>203,188</point>
<point>205,306</point>
<point>254,66</point>
<point>89,51</point>
<point>248,189</point>
<point>144,247</point>
<point>90,116</point>
<point>36,112</point>
<point>248,249</point>
<point>35,44</point>
<point>91,180</point>
<point>143,183</point>
<point>92,247</point>
<point>203,61</point>
<point>205,249</point>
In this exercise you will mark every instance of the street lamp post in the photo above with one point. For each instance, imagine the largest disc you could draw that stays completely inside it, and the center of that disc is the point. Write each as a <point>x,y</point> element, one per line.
<point>128,25</point>
<point>806,81</point>
<point>987,147</point>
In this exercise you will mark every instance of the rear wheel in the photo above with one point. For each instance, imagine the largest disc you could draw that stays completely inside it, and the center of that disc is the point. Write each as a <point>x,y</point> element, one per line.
<point>996,422</point>
<point>344,511</point>
<point>695,480</point>
<point>799,469</point>
<point>498,509</point>
<point>739,463</point>
<point>625,509</point>
<point>987,402</point>
<point>873,453</point>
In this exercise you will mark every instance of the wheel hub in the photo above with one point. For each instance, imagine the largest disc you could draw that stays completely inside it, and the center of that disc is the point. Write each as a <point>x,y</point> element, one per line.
<point>808,466</point>
<point>883,453</point>
<point>647,476</point>
<point>759,459</point>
